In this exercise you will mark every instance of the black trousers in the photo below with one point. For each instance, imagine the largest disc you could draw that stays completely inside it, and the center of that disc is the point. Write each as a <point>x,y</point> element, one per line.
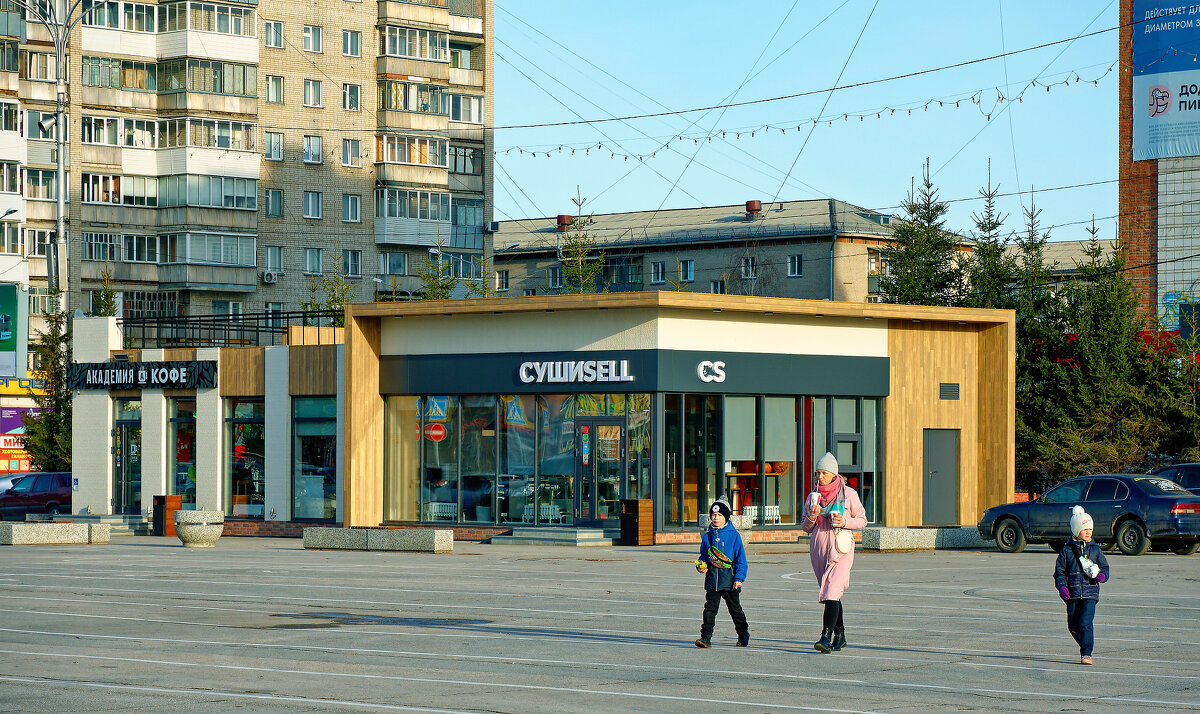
<point>733,603</point>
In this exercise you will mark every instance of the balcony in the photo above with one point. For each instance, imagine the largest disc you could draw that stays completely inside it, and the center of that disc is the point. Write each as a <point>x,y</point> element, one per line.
<point>192,160</point>
<point>410,175</point>
<point>412,231</point>
<point>187,276</point>
<point>425,13</point>
<point>466,77</point>
<point>392,120</point>
<point>208,45</point>
<point>109,41</point>
<point>204,102</point>
<point>122,272</point>
<point>405,67</point>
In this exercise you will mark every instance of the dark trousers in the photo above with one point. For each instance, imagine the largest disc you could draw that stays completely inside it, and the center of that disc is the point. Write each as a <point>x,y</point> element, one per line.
<point>1080,614</point>
<point>733,603</point>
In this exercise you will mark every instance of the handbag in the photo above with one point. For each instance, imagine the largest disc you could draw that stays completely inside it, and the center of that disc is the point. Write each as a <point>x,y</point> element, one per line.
<point>843,540</point>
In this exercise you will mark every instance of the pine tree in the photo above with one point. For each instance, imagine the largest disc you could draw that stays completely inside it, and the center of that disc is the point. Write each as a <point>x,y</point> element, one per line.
<point>48,429</point>
<point>582,266</point>
<point>106,298</point>
<point>923,263</point>
<point>437,276</point>
<point>990,271</point>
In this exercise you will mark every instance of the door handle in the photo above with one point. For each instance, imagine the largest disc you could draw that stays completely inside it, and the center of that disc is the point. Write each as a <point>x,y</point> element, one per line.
<point>1118,506</point>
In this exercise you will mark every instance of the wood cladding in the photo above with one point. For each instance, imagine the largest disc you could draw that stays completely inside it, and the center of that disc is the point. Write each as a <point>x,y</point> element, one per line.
<point>312,370</point>
<point>363,476</point>
<point>241,372</point>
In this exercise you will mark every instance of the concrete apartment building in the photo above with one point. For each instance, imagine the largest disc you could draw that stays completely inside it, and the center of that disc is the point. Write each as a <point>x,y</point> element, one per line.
<point>223,156</point>
<point>821,249</point>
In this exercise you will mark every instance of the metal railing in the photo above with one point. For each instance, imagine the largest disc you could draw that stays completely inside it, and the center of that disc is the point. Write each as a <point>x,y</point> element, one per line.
<point>256,329</point>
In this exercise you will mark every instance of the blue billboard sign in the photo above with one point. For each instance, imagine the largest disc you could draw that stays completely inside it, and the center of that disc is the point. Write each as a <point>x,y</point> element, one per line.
<point>1166,80</point>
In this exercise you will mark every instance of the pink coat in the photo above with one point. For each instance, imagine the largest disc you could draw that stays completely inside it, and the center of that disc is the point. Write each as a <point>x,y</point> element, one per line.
<point>831,567</point>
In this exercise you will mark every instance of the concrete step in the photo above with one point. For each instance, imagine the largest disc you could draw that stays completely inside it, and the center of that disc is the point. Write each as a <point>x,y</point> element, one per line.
<point>577,537</point>
<point>118,525</point>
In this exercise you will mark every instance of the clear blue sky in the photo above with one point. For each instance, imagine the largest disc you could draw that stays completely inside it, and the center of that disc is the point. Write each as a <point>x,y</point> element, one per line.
<point>562,62</point>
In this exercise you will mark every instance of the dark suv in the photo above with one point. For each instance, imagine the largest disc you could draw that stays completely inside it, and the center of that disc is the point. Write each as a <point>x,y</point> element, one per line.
<point>1186,475</point>
<point>48,493</point>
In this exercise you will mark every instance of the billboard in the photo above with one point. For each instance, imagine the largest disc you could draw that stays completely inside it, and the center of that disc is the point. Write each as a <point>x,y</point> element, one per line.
<point>10,332</point>
<point>13,456</point>
<point>1166,80</point>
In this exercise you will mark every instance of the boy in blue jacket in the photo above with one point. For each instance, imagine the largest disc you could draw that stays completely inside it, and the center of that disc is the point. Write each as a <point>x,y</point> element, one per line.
<point>723,562</point>
<point>1080,569</point>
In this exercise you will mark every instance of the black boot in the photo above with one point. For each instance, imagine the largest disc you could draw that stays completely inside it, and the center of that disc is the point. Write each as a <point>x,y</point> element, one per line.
<point>839,638</point>
<point>703,643</point>
<point>743,638</point>
<point>825,644</point>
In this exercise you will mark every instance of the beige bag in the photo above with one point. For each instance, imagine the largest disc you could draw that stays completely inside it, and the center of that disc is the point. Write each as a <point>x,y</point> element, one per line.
<point>843,540</point>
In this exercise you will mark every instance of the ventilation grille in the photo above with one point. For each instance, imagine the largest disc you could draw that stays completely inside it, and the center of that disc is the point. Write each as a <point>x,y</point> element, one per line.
<point>948,390</point>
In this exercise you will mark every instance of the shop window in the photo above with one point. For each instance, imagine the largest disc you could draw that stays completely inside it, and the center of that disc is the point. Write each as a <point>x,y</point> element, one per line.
<point>638,451</point>
<point>183,451</point>
<point>245,465</point>
<point>555,501</point>
<point>515,486</point>
<point>439,459</point>
<point>741,454</point>
<point>779,495</point>
<point>314,444</point>
<point>401,490</point>
<point>478,457</point>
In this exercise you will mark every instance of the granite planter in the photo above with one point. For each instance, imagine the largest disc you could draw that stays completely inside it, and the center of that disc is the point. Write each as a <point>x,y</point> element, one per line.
<point>199,529</point>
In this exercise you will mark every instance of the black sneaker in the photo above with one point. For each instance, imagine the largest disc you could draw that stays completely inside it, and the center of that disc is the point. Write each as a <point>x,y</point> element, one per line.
<point>743,640</point>
<point>703,643</point>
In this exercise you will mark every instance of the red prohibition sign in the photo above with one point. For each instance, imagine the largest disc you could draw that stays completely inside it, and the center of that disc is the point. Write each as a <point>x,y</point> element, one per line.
<point>435,431</point>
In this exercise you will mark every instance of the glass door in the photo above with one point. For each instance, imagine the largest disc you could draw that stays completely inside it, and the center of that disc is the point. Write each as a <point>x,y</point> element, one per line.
<point>599,465</point>
<point>127,476</point>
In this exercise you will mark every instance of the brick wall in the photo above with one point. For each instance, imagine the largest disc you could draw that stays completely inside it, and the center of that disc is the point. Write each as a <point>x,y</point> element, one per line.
<point>1137,225</point>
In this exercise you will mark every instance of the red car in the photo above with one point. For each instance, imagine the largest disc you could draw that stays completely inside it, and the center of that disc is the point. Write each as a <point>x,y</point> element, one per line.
<point>48,493</point>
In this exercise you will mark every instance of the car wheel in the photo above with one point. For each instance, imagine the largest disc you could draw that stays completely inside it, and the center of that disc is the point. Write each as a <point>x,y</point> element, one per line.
<point>1131,538</point>
<point>1187,549</point>
<point>53,511</point>
<point>1009,536</point>
<point>1056,545</point>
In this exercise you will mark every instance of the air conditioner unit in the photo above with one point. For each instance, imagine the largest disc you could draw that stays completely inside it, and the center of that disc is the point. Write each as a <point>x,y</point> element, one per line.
<point>269,277</point>
<point>493,226</point>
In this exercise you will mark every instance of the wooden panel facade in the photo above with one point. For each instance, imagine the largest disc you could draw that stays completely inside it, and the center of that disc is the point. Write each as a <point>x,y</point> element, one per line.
<point>312,371</point>
<point>242,372</point>
<point>997,415</point>
<point>362,480</point>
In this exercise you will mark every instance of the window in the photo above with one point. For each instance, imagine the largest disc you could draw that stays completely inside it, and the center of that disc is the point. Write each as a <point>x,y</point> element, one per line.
<point>213,191</point>
<point>10,238</point>
<point>100,246</point>
<point>274,89</point>
<point>392,149</point>
<point>273,33</point>
<point>314,450</point>
<point>139,191</point>
<point>460,56</point>
<point>466,108</point>
<point>10,177</point>
<point>10,56</point>
<point>312,150</point>
<point>221,18</point>
<point>312,92</point>
<point>140,133</point>
<point>393,263</point>
<point>209,248</point>
<point>140,249</point>
<point>245,457</point>
<point>41,184</point>
<point>42,125</point>
<point>102,13</point>
<point>658,272</point>
<point>273,146</point>
<point>36,240</point>
<point>749,267</point>
<point>465,160</point>
<point>350,94</point>
<point>312,204</point>
<point>352,263</point>
<point>97,130</point>
<point>312,38</point>
<point>554,276</point>
<point>10,117</point>
<point>795,266</point>
<point>717,287</point>
<point>410,203</point>
<point>211,76</point>
<point>275,259</point>
<point>39,66</point>
<point>99,188</point>
<point>139,17</point>
<point>221,134</point>
<point>501,280</point>
<point>172,17</point>
<point>274,201</point>
<point>414,97</point>
<point>352,43</point>
<point>417,44</point>
<point>351,152</point>
<point>687,271</point>
<point>530,292</point>
<point>312,261</point>
<point>351,208</point>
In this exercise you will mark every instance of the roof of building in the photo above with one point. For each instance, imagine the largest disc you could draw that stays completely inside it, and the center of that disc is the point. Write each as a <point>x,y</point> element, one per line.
<point>1064,256</point>
<point>712,223</point>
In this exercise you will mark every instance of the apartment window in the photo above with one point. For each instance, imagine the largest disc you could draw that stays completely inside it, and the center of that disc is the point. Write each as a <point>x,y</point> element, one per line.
<point>530,292</point>
<point>100,246</point>
<point>393,263</point>
<point>212,191</point>
<point>39,66</point>
<point>10,56</point>
<point>717,287</point>
<point>140,18</point>
<point>554,276</point>
<point>221,18</point>
<point>410,203</point>
<point>658,272</point>
<point>227,308</point>
<point>97,130</point>
<point>172,132</point>
<point>172,17</point>
<point>749,267</point>
<point>210,76</point>
<point>36,240</point>
<point>103,14</point>
<point>312,204</point>
<point>392,149</point>
<point>10,177</point>
<point>273,33</point>
<point>312,150</point>
<point>687,271</point>
<point>501,280</point>
<point>352,263</point>
<point>413,43</point>
<point>460,56</point>
<point>99,188</point>
<point>352,43</point>
<point>275,258</point>
<point>273,146</point>
<point>40,184</point>
<point>139,191</point>
<point>466,108</point>
<point>274,201</point>
<point>10,117</point>
<point>312,38</point>
<point>351,208</point>
<point>140,133</point>
<point>38,130</point>
<point>10,238</point>
<point>414,97</point>
<point>795,266</point>
<point>141,249</point>
<point>351,152</point>
<point>464,160</point>
<point>312,92</point>
<point>350,94</point>
<point>312,261</point>
<point>274,89</point>
<point>220,134</point>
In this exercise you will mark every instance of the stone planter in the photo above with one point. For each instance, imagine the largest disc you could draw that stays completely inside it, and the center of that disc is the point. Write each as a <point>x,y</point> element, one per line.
<point>199,529</point>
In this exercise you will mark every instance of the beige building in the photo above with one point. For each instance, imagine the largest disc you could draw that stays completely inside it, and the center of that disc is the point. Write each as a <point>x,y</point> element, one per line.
<point>223,157</point>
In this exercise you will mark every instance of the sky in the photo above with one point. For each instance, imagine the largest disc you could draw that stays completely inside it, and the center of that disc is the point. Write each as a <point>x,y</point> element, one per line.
<point>1035,88</point>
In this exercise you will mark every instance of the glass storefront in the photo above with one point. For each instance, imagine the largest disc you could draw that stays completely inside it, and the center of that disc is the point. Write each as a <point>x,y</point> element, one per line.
<point>182,468</point>
<point>314,444</point>
<point>127,456</point>
<point>245,472</point>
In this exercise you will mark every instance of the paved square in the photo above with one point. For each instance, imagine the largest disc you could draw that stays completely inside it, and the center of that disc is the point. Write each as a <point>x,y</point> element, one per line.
<point>261,624</point>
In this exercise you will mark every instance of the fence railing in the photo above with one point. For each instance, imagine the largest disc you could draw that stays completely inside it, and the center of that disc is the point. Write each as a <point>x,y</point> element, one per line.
<point>256,329</point>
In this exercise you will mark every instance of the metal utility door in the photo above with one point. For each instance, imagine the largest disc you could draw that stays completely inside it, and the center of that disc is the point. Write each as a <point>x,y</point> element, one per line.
<point>127,468</point>
<point>599,465</point>
<point>939,477</point>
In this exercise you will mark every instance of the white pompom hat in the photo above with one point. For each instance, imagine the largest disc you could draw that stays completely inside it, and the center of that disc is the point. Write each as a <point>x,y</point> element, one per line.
<point>1080,520</point>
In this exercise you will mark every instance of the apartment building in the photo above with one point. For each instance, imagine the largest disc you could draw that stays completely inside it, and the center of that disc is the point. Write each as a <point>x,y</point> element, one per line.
<point>821,249</point>
<point>225,157</point>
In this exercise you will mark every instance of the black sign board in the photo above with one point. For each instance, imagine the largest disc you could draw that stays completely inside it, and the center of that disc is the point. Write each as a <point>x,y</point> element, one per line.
<point>143,375</point>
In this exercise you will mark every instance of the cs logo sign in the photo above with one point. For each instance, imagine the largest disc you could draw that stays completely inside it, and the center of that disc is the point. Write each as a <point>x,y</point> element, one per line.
<point>711,371</point>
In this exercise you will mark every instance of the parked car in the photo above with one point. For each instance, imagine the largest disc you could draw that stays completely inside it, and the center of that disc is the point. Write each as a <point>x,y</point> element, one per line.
<point>8,480</point>
<point>1186,475</point>
<point>48,493</point>
<point>1131,512</point>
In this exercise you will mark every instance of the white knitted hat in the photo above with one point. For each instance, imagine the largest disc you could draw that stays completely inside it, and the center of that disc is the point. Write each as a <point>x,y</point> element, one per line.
<point>827,463</point>
<point>1080,520</point>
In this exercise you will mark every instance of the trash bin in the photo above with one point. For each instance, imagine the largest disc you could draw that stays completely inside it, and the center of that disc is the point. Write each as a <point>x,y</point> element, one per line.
<point>637,521</point>
<point>163,515</point>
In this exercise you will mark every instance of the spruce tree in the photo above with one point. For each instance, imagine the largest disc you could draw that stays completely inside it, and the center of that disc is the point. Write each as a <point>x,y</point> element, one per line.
<point>923,263</point>
<point>48,429</point>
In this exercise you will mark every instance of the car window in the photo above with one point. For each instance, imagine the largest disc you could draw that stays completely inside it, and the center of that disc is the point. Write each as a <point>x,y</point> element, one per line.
<point>1103,489</point>
<point>44,484</point>
<point>23,485</point>
<point>1167,473</point>
<point>1122,492</point>
<point>1069,491</point>
<point>64,481</point>
<point>1161,486</point>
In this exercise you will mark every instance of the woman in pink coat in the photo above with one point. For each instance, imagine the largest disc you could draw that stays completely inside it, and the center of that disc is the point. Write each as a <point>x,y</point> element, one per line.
<point>833,506</point>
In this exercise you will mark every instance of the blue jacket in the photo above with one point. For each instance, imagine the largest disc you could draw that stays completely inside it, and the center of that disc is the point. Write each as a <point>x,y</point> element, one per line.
<point>1068,572</point>
<point>729,542</point>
